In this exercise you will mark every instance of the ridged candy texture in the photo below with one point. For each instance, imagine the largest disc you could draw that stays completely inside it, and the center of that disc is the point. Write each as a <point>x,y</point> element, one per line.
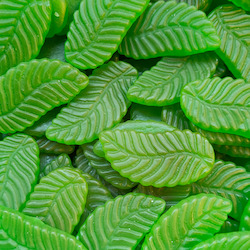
<point>100,106</point>
<point>191,221</point>
<point>218,105</point>
<point>158,159</point>
<point>162,84</point>
<point>31,89</point>
<point>19,169</point>
<point>19,231</point>
<point>245,218</point>
<point>232,25</point>
<point>23,28</point>
<point>98,28</point>
<point>59,199</point>
<point>169,29</point>
<point>121,223</point>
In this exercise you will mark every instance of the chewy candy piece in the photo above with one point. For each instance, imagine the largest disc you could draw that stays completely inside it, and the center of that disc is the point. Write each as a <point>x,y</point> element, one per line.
<point>121,223</point>
<point>145,113</point>
<point>98,28</point>
<point>98,195</point>
<point>162,84</point>
<point>61,161</point>
<point>100,106</point>
<point>105,170</point>
<point>234,151</point>
<point>218,105</point>
<point>244,4</point>
<point>169,29</point>
<point>19,161</point>
<point>19,231</point>
<point>139,126</point>
<point>173,115</point>
<point>51,147</point>
<point>199,4</point>
<point>229,181</point>
<point>46,159</point>
<point>245,218</point>
<point>23,28</point>
<point>232,25</point>
<point>39,128</point>
<point>59,199</point>
<point>158,159</point>
<point>191,221</point>
<point>221,138</point>
<point>229,225</point>
<point>221,69</point>
<point>234,240</point>
<point>170,195</point>
<point>31,89</point>
<point>59,17</point>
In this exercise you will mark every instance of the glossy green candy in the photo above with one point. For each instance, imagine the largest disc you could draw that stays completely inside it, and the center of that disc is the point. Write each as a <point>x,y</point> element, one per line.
<point>171,195</point>
<point>98,195</point>
<point>34,88</point>
<point>50,147</point>
<point>158,159</point>
<point>105,170</point>
<point>245,218</point>
<point>61,161</point>
<point>121,223</point>
<point>59,16</point>
<point>191,221</point>
<point>221,69</point>
<point>218,105</point>
<point>59,199</point>
<point>173,115</point>
<point>19,169</point>
<point>229,181</point>
<point>23,28</point>
<point>234,151</point>
<point>145,113</point>
<point>98,28</point>
<point>160,33</point>
<point>232,25</point>
<point>234,240</point>
<point>39,128</point>
<point>244,4</point>
<point>46,159</point>
<point>19,231</point>
<point>162,84</point>
<point>100,106</point>
<point>230,225</point>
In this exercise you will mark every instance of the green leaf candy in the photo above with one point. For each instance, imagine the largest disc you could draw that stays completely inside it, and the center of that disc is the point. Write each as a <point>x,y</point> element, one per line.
<point>98,28</point>
<point>191,221</point>
<point>162,84</point>
<point>229,225</point>
<point>244,4</point>
<point>121,223</point>
<point>160,32</point>
<point>158,159</point>
<point>23,28</point>
<point>19,169</point>
<point>59,199</point>
<point>100,106</point>
<point>245,218</point>
<point>218,105</point>
<point>31,89</point>
<point>234,151</point>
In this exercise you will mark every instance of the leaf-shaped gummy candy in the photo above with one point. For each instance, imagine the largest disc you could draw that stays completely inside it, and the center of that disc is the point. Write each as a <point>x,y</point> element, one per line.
<point>31,89</point>
<point>19,169</point>
<point>191,221</point>
<point>100,106</point>
<point>98,28</point>
<point>121,223</point>
<point>23,28</point>
<point>245,218</point>
<point>169,29</point>
<point>158,159</point>
<point>218,105</point>
<point>59,199</point>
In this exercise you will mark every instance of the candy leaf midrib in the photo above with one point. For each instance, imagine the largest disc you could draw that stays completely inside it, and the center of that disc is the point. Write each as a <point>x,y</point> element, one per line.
<point>92,108</point>
<point>34,90</point>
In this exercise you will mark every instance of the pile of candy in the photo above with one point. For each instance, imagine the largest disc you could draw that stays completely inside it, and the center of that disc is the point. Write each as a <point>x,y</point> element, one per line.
<point>124,124</point>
